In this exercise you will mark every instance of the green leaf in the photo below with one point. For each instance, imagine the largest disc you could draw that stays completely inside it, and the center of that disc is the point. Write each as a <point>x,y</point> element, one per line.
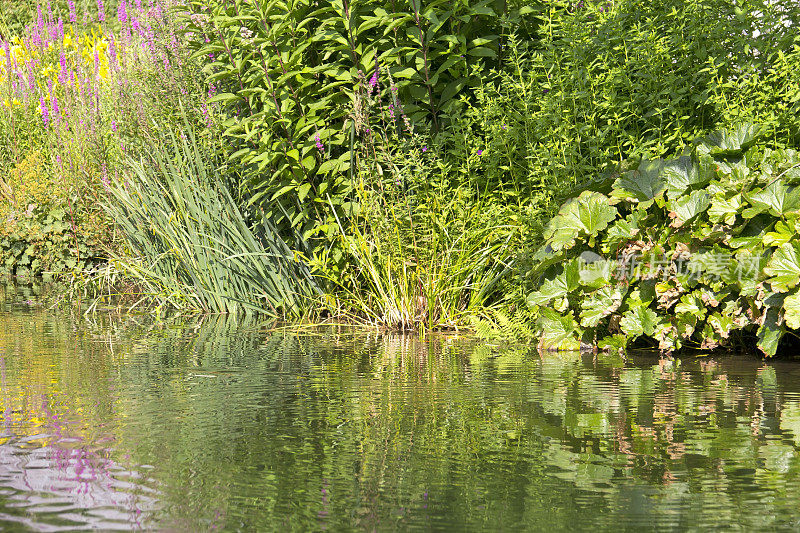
<point>732,141</point>
<point>784,267</point>
<point>778,198</point>
<point>770,333</point>
<point>639,321</point>
<point>681,174</point>
<point>586,215</point>
<point>482,51</point>
<point>598,273</point>
<point>642,184</point>
<point>691,305</point>
<point>687,207</point>
<point>558,332</point>
<point>303,191</point>
<point>599,304</point>
<point>558,286</point>
<point>791,311</point>
<point>724,210</point>
<point>781,234</point>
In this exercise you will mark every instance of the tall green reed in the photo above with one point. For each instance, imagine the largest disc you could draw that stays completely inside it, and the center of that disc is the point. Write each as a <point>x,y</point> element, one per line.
<point>419,262</point>
<point>192,247</point>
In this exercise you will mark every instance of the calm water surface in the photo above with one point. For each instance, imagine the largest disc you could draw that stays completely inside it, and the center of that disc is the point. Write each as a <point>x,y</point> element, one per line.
<point>218,425</point>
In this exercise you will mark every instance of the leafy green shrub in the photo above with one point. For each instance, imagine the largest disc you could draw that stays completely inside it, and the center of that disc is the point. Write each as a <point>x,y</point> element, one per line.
<point>677,253</point>
<point>295,77</point>
<point>606,81</point>
<point>48,224</point>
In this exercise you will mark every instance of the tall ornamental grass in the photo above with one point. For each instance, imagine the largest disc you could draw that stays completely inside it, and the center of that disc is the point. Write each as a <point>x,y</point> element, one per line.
<point>427,261</point>
<point>192,247</point>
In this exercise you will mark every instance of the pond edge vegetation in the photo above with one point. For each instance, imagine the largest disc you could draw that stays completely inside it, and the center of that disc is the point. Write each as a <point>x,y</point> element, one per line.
<point>400,166</point>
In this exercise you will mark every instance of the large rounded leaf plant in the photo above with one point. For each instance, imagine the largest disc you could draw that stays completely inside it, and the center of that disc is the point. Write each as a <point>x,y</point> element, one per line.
<point>699,251</point>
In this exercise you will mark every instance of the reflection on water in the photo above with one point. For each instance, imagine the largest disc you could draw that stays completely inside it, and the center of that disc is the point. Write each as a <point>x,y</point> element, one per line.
<point>222,425</point>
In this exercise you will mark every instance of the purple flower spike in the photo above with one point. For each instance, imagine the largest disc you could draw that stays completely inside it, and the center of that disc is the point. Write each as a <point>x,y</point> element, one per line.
<point>101,11</point>
<point>45,111</point>
<point>318,142</point>
<point>122,12</point>
<point>73,15</point>
<point>56,111</point>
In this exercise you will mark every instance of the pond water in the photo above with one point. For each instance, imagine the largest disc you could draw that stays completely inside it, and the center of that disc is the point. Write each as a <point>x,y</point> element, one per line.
<point>223,425</point>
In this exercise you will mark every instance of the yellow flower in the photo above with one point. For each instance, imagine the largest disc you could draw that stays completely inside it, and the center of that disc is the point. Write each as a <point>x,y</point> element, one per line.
<point>19,53</point>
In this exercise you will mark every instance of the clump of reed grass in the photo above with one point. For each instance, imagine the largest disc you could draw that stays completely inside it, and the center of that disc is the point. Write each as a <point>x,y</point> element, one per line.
<point>190,247</point>
<point>420,262</point>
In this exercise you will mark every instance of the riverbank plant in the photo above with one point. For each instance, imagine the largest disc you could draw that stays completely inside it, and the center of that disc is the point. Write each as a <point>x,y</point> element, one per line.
<point>698,251</point>
<point>81,85</point>
<point>188,245</point>
<point>421,262</point>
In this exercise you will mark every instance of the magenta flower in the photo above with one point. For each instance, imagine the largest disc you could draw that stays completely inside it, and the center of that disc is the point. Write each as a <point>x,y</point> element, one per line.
<point>114,126</point>
<point>480,152</point>
<point>122,12</point>
<point>73,15</point>
<point>62,73</point>
<point>56,111</point>
<point>424,149</point>
<point>373,81</point>
<point>318,142</point>
<point>45,111</point>
<point>101,11</point>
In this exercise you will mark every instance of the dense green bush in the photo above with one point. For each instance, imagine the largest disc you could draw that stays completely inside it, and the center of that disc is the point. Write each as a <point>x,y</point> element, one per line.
<point>608,81</point>
<point>676,253</point>
<point>49,223</point>
<point>307,82</point>
<point>520,102</point>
